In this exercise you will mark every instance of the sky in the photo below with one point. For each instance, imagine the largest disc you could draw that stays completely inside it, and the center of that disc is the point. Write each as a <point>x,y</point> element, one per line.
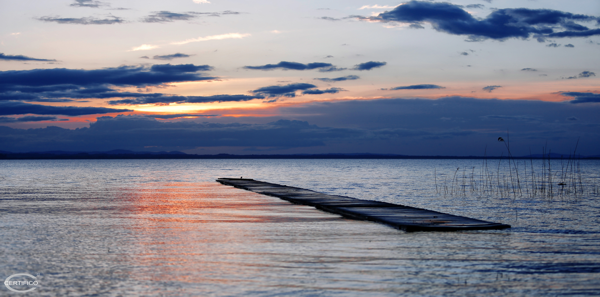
<point>301,77</point>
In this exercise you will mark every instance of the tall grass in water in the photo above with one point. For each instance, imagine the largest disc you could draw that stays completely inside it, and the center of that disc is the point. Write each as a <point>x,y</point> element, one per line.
<point>519,178</point>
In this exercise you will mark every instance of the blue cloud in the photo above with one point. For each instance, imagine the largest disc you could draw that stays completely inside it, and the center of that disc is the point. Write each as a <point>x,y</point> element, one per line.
<point>283,91</point>
<point>292,66</point>
<point>15,108</point>
<point>29,119</point>
<point>491,88</point>
<point>418,87</point>
<point>83,21</point>
<point>500,24</point>
<point>478,6</point>
<point>120,76</point>
<point>583,74</point>
<point>369,65</point>
<point>88,3</point>
<point>167,16</point>
<point>343,78</point>
<point>22,58</point>
<point>581,97</point>
<point>320,92</point>
<point>170,57</point>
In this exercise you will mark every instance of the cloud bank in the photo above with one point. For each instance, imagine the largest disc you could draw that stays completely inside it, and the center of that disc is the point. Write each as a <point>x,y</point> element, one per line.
<point>402,126</point>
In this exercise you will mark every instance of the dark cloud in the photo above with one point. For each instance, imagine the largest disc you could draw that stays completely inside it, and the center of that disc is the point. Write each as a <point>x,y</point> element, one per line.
<point>320,92</point>
<point>29,119</point>
<point>331,69</point>
<point>478,6</point>
<point>575,33</point>
<point>510,117</point>
<point>180,115</point>
<point>491,88</point>
<point>22,58</point>
<point>16,108</point>
<point>181,68</point>
<point>418,87</point>
<point>368,65</point>
<point>583,74</point>
<point>528,69</point>
<point>283,91</point>
<point>64,85</point>
<point>500,24</point>
<point>167,16</point>
<point>170,57</point>
<point>553,45</point>
<point>164,99</point>
<point>26,94</point>
<point>88,3</point>
<point>448,126</point>
<point>292,66</point>
<point>456,126</point>
<point>343,78</point>
<point>569,45</point>
<point>329,19</point>
<point>137,133</point>
<point>121,76</point>
<point>583,97</point>
<point>464,53</point>
<point>83,21</point>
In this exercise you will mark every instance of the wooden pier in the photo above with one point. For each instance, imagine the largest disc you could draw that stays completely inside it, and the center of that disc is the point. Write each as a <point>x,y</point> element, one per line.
<point>398,216</point>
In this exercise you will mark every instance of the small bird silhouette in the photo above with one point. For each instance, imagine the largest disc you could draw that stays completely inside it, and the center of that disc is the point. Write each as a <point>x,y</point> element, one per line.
<point>500,139</point>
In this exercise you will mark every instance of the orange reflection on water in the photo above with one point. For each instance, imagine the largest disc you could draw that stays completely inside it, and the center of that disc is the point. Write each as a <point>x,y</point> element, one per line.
<point>202,232</point>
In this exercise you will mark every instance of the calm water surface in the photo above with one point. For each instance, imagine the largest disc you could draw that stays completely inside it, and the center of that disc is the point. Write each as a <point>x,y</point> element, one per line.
<point>166,228</point>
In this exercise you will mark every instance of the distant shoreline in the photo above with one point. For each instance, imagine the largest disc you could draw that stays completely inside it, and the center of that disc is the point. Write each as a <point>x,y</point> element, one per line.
<point>180,155</point>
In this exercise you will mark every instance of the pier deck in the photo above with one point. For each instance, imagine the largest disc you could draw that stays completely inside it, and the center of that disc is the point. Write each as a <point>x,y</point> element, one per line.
<point>398,216</point>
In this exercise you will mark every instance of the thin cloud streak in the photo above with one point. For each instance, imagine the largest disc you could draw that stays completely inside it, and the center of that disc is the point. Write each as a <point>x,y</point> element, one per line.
<point>143,47</point>
<point>213,37</point>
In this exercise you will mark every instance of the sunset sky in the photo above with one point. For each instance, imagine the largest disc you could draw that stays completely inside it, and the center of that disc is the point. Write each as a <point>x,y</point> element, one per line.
<point>282,77</point>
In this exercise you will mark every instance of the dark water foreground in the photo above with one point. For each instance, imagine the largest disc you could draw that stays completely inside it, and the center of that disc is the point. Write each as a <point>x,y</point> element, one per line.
<point>164,227</point>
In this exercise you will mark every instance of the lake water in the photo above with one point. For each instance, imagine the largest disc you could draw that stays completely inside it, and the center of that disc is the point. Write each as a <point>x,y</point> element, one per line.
<point>166,228</point>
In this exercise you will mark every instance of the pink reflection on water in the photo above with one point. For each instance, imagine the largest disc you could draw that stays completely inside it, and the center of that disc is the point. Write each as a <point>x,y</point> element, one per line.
<point>206,232</point>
